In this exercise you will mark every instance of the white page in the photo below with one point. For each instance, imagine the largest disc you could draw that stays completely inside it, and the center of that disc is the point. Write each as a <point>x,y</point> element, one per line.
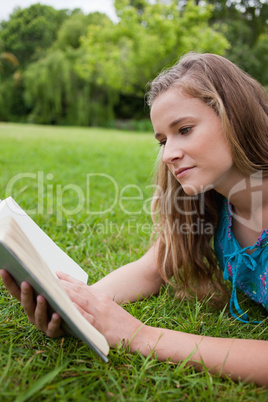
<point>55,258</point>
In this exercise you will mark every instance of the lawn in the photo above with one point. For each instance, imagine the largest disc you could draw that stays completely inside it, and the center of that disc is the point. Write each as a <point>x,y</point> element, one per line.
<point>90,190</point>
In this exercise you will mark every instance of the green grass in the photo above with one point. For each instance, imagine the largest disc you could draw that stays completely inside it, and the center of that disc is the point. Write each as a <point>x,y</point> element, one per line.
<point>34,367</point>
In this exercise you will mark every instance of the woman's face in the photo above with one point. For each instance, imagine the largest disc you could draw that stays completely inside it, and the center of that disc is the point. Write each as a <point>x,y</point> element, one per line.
<point>194,147</point>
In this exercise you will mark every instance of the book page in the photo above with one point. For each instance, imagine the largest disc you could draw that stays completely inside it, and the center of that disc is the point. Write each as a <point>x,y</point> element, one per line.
<point>55,258</point>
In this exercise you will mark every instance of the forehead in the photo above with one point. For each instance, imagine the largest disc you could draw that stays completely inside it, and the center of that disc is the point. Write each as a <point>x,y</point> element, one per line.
<point>175,101</point>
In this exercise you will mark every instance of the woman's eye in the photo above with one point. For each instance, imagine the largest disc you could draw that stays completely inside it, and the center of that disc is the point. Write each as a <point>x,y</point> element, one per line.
<point>162,143</point>
<point>185,130</point>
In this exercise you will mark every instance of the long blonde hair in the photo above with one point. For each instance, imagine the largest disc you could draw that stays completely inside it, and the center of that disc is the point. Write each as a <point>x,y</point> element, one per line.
<point>186,225</point>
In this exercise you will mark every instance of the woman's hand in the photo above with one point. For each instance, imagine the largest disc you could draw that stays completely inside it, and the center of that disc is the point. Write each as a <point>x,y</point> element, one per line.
<point>36,310</point>
<point>102,312</point>
<point>99,309</point>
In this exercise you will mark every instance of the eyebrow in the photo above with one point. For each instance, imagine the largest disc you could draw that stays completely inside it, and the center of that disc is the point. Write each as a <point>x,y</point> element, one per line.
<point>174,123</point>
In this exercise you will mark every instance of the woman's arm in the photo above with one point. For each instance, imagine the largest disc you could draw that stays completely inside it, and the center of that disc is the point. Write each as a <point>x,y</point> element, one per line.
<point>243,359</point>
<point>133,281</point>
<point>238,358</point>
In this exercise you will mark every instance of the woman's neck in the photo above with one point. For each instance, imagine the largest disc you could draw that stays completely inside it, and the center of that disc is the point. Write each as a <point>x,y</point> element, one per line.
<point>249,197</point>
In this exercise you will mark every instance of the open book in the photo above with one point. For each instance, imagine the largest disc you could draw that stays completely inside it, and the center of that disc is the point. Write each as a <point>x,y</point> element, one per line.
<point>28,254</point>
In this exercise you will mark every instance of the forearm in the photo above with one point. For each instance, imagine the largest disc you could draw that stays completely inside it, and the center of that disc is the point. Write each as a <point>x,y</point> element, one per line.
<point>133,281</point>
<point>129,283</point>
<point>238,358</point>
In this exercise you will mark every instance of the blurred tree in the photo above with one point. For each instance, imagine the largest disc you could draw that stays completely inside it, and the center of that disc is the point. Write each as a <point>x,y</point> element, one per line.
<point>29,32</point>
<point>124,56</point>
<point>8,64</point>
<point>139,5</point>
<point>56,95</point>
<point>71,31</point>
<point>84,70</point>
<point>244,24</point>
<point>253,12</point>
<point>9,58</point>
<point>261,54</point>
<point>26,35</point>
<point>75,27</point>
<point>10,93</point>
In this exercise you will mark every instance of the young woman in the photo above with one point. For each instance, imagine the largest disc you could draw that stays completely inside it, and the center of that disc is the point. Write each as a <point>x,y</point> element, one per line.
<point>211,120</point>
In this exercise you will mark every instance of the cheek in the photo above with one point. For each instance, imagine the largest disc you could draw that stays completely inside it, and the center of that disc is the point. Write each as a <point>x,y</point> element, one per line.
<point>225,160</point>
<point>218,155</point>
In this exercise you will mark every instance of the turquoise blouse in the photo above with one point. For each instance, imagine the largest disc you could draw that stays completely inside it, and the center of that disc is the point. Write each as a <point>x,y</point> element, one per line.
<point>248,273</point>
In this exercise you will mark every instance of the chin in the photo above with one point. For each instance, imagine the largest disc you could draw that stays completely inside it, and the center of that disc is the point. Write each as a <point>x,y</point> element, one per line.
<point>192,190</point>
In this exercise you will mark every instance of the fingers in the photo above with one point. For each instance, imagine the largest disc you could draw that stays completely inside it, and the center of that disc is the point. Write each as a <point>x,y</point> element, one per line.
<point>10,284</point>
<point>77,297</point>
<point>53,328</point>
<point>87,316</point>
<point>35,310</point>
<point>76,286</point>
<point>83,299</point>
<point>68,278</point>
<point>40,318</point>
<point>27,301</point>
<point>76,291</point>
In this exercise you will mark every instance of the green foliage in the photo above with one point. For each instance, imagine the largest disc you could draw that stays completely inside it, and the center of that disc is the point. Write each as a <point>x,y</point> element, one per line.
<point>12,106</point>
<point>36,368</point>
<point>244,23</point>
<point>142,43</point>
<point>48,80</point>
<point>64,67</point>
<point>75,27</point>
<point>261,55</point>
<point>252,60</point>
<point>30,31</point>
<point>70,32</point>
<point>253,13</point>
<point>57,95</point>
<point>6,99</point>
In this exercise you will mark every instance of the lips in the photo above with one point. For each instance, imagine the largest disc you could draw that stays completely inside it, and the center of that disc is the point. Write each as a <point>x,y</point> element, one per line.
<point>182,171</point>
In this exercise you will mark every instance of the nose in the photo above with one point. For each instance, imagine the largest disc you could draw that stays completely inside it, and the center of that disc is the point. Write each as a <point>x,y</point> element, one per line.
<point>171,152</point>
